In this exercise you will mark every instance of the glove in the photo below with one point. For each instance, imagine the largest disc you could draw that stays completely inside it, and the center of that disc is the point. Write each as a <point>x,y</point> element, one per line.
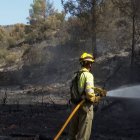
<point>97,99</point>
<point>103,93</point>
<point>99,91</point>
<point>90,97</point>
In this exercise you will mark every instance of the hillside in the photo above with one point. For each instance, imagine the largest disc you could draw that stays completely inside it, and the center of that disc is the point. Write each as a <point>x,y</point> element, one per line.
<point>111,70</point>
<point>38,60</point>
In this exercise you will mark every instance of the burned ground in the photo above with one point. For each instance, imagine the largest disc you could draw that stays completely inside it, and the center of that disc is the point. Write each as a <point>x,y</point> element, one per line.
<point>38,105</point>
<point>117,119</point>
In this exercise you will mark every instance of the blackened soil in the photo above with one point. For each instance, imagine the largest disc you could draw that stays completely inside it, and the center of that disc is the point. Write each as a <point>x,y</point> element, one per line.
<point>117,119</point>
<point>120,120</point>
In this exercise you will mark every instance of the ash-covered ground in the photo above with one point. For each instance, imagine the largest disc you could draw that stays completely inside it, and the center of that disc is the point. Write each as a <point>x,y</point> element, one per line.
<point>33,114</point>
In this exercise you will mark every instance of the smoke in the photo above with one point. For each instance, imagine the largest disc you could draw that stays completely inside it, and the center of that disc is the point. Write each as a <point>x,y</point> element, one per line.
<point>126,92</point>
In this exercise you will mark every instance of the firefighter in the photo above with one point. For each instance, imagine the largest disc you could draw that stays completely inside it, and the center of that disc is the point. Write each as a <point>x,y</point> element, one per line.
<point>81,123</point>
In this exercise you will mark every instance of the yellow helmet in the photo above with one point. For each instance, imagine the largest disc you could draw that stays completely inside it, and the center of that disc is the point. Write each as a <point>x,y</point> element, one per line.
<point>86,57</point>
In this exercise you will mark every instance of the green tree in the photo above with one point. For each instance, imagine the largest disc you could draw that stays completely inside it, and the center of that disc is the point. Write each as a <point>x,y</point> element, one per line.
<point>85,10</point>
<point>40,10</point>
<point>130,9</point>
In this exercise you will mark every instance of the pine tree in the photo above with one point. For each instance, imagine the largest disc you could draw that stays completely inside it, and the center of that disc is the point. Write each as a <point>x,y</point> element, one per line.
<point>40,10</point>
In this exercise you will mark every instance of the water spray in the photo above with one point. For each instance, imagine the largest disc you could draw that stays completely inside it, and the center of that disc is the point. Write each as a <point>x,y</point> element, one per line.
<point>125,92</point>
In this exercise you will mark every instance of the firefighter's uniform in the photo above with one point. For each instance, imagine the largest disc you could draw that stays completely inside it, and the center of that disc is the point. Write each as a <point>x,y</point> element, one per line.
<point>81,124</point>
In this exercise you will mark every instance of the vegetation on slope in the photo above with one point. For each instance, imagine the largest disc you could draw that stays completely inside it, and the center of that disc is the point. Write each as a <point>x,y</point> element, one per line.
<point>51,41</point>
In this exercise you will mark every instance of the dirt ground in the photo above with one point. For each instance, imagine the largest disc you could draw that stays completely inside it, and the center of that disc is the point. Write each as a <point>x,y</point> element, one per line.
<point>117,119</point>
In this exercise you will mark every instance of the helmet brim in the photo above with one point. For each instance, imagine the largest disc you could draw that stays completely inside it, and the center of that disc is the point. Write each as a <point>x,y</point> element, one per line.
<point>89,60</point>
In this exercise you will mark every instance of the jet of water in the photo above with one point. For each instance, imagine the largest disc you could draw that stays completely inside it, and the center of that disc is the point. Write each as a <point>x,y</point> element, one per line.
<point>126,92</point>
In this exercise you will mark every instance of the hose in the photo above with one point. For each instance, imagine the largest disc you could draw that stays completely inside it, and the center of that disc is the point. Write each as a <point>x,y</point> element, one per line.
<point>68,120</point>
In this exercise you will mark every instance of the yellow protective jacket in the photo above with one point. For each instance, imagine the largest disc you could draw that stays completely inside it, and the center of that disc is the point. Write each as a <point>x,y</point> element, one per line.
<point>86,83</point>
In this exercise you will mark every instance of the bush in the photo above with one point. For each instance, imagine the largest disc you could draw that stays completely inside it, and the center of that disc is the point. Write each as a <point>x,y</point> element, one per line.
<point>12,57</point>
<point>11,42</point>
<point>3,53</point>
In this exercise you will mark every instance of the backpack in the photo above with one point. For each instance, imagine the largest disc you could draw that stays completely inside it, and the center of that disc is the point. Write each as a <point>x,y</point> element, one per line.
<point>74,93</point>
